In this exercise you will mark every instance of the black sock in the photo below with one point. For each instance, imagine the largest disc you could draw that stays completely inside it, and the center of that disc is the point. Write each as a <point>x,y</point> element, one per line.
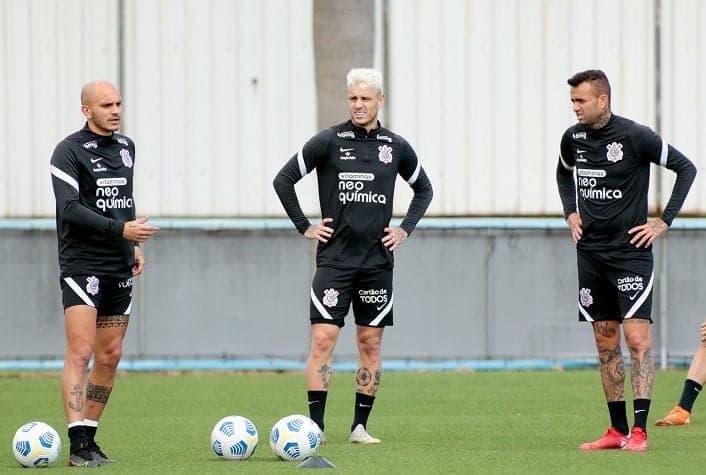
<point>363,406</point>
<point>90,434</point>
<point>641,408</point>
<point>77,437</point>
<point>618,417</point>
<point>317,406</point>
<point>689,394</point>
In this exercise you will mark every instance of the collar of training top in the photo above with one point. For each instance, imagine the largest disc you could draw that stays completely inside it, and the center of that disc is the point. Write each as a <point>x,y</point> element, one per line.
<point>113,137</point>
<point>361,132</point>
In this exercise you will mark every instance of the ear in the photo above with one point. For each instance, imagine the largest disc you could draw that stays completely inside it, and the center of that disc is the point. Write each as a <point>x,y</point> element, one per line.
<point>86,111</point>
<point>604,101</point>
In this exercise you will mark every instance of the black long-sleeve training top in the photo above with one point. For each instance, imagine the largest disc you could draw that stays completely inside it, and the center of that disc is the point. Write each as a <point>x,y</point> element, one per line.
<point>92,178</point>
<point>612,174</point>
<point>356,173</point>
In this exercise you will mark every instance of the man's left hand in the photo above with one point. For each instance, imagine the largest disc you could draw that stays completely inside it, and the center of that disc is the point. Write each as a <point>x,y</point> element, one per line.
<point>139,262</point>
<point>394,237</point>
<point>646,233</point>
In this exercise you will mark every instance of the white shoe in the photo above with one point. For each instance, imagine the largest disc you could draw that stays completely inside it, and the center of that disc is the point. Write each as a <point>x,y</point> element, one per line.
<point>361,436</point>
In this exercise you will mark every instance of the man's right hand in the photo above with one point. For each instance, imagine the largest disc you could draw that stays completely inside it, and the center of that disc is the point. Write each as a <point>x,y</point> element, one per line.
<point>138,231</point>
<point>320,231</point>
<point>575,226</point>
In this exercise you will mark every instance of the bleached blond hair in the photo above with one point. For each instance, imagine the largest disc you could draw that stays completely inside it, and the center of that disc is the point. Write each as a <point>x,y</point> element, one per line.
<point>366,77</point>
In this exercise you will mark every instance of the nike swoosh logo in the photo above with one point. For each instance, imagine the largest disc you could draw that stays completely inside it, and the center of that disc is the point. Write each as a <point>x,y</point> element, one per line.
<point>342,150</point>
<point>364,405</point>
<point>640,410</point>
<point>312,402</point>
<point>96,160</point>
<point>578,150</point>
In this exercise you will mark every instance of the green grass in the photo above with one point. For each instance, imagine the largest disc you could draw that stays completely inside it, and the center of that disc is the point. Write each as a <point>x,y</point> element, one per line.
<point>430,423</point>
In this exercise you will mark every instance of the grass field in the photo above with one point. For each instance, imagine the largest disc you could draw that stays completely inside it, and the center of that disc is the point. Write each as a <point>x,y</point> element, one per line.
<point>429,422</point>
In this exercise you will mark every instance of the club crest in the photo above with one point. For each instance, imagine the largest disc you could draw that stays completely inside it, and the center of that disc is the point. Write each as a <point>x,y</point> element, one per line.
<point>127,159</point>
<point>585,297</point>
<point>615,152</point>
<point>385,154</point>
<point>93,285</point>
<point>330,297</point>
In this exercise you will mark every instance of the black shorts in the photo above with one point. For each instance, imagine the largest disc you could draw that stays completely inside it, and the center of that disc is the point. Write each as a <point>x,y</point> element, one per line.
<point>615,285</point>
<point>370,291</point>
<point>109,296</point>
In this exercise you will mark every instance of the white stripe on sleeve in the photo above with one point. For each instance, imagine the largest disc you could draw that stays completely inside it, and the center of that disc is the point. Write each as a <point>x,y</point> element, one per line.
<point>65,177</point>
<point>301,162</point>
<point>415,175</point>
<point>664,153</point>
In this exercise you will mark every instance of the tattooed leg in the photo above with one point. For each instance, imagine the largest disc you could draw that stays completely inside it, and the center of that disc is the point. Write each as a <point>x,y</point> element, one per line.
<point>325,374</point>
<point>112,321</point>
<point>642,368</point>
<point>77,399</point>
<point>367,381</point>
<point>611,363</point>
<point>369,370</point>
<point>98,394</point>
<point>318,365</point>
<point>110,331</point>
<point>80,327</point>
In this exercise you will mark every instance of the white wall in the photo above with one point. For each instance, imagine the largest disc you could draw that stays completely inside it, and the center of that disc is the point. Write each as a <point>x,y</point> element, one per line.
<point>219,93</point>
<point>480,88</point>
<point>224,94</point>
<point>48,49</point>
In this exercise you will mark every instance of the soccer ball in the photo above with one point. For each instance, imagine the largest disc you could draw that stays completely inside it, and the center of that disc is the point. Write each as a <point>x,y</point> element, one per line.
<point>36,444</point>
<point>295,437</point>
<point>234,438</point>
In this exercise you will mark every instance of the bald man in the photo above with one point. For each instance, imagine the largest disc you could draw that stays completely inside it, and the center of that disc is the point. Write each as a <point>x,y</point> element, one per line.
<point>99,254</point>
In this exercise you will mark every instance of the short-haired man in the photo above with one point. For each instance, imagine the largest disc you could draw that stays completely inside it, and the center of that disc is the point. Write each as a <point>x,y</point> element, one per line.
<point>92,172</point>
<point>603,177</point>
<point>357,163</point>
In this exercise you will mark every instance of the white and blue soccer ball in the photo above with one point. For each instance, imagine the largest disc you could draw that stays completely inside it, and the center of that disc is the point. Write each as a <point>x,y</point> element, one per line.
<point>295,437</point>
<point>36,444</point>
<point>234,438</point>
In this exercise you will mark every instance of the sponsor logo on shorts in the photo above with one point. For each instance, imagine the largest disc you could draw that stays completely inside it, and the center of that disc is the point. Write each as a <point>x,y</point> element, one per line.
<point>126,284</point>
<point>93,285</point>
<point>330,297</point>
<point>585,297</point>
<point>631,284</point>
<point>377,297</point>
